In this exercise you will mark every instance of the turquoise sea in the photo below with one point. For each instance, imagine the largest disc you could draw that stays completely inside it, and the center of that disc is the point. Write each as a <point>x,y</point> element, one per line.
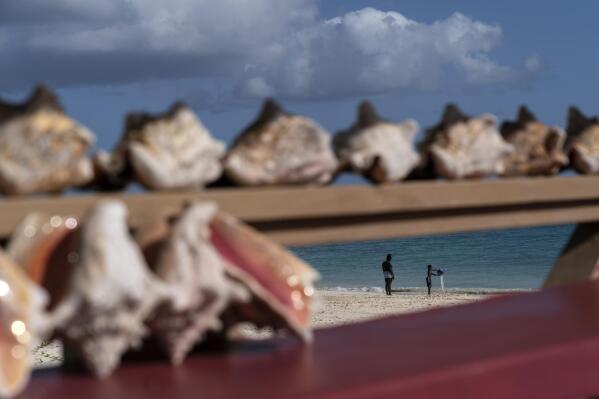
<point>505,259</point>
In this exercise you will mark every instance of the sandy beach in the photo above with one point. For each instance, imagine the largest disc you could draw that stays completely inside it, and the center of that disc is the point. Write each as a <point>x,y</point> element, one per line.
<point>337,308</point>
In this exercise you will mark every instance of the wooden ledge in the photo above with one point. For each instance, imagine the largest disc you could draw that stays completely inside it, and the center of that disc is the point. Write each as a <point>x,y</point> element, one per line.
<point>309,215</point>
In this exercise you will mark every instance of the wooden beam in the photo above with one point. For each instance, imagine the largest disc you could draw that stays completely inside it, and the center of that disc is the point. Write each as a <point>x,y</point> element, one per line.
<point>308,232</point>
<point>308,215</point>
<point>579,260</point>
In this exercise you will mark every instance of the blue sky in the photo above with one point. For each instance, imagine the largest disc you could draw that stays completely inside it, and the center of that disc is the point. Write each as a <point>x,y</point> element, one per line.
<point>319,58</point>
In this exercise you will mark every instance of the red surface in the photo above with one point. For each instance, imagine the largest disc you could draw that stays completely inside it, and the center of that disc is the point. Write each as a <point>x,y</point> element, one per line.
<point>534,345</point>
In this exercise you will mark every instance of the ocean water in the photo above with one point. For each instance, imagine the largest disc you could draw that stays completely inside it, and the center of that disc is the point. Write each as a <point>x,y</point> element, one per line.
<point>505,259</point>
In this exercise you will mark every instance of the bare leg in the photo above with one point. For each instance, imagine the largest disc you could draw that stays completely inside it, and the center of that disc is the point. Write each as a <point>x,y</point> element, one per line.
<point>388,286</point>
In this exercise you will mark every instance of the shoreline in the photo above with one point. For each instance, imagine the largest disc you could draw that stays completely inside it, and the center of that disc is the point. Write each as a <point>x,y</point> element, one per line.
<point>416,290</point>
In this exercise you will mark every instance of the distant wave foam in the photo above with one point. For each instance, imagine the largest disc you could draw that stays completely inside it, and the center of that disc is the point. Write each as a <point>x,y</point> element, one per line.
<point>474,291</point>
<point>352,289</point>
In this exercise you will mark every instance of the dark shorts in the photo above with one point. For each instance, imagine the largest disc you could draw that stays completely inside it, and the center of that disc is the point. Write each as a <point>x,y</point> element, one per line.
<point>388,280</point>
<point>428,282</point>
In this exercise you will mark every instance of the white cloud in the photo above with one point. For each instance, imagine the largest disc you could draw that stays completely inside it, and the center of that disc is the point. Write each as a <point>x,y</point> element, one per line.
<point>263,47</point>
<point>257,87</point>
<point>533,63</point>
<point>371,51</point>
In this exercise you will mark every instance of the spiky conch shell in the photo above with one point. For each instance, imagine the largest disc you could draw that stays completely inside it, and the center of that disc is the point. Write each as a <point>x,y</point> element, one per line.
<point>381,150</point>
<point>100,288</point>
<point>582,141</point>
<point>181,255</point>
<point>460,146</point>
<point>280,148</point>
<point>538,148</point>
<point>41,148</point>
<point>167,151</point>
<point>21,325</point>
<point>222,273</point>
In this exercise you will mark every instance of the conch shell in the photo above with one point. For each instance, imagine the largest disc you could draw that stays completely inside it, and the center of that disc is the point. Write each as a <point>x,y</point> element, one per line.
<point>163,152</point>
<point>42,149</point>
<point>582,142</point>
<point>100,288</point>
<point>208,271</point>
<point>112,171</point>
<point>381,150</point>
<point>281,148</point>
<point>181,255</point>
<point>282,286</point>
<point>220,273</point>
<point>538,147</point>
<point>21,304</point>
<point>460,146</point>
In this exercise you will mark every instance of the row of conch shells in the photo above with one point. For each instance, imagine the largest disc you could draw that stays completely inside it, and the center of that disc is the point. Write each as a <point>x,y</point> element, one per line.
<point>105,292</point>
<point>43,150</point>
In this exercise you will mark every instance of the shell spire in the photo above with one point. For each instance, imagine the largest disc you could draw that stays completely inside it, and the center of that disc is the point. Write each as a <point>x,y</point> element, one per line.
<point>270,111</point>
<point>524,115</point>
<point>452,115</point>
<point>578,122</point>
<point>367,115</point>
<point>582,141</point>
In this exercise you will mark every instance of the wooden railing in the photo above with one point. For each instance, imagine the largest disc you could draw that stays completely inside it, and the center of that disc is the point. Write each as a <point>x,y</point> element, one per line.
<point>540,344</point>
<point>299,216</point>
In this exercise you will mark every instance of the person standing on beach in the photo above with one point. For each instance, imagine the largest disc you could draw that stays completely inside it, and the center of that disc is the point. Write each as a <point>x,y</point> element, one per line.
<point>430,272</point>
<point>388,274</point>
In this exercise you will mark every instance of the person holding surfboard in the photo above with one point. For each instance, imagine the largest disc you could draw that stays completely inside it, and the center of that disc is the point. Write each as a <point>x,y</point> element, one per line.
<point>430,272</point>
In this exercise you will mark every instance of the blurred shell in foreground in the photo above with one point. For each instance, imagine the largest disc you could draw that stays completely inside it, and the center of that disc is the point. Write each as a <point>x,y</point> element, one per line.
<point>100,288</point>
<point>538,147</point>
<point>182,256</point>
<point>42,149</point>
<point>281,148</point>
<point>282,285</point>
<point>583,141</point>
<point>381,150</point>
<point>221,274</point>
<point>460,146</point>
<point>21,305</point>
